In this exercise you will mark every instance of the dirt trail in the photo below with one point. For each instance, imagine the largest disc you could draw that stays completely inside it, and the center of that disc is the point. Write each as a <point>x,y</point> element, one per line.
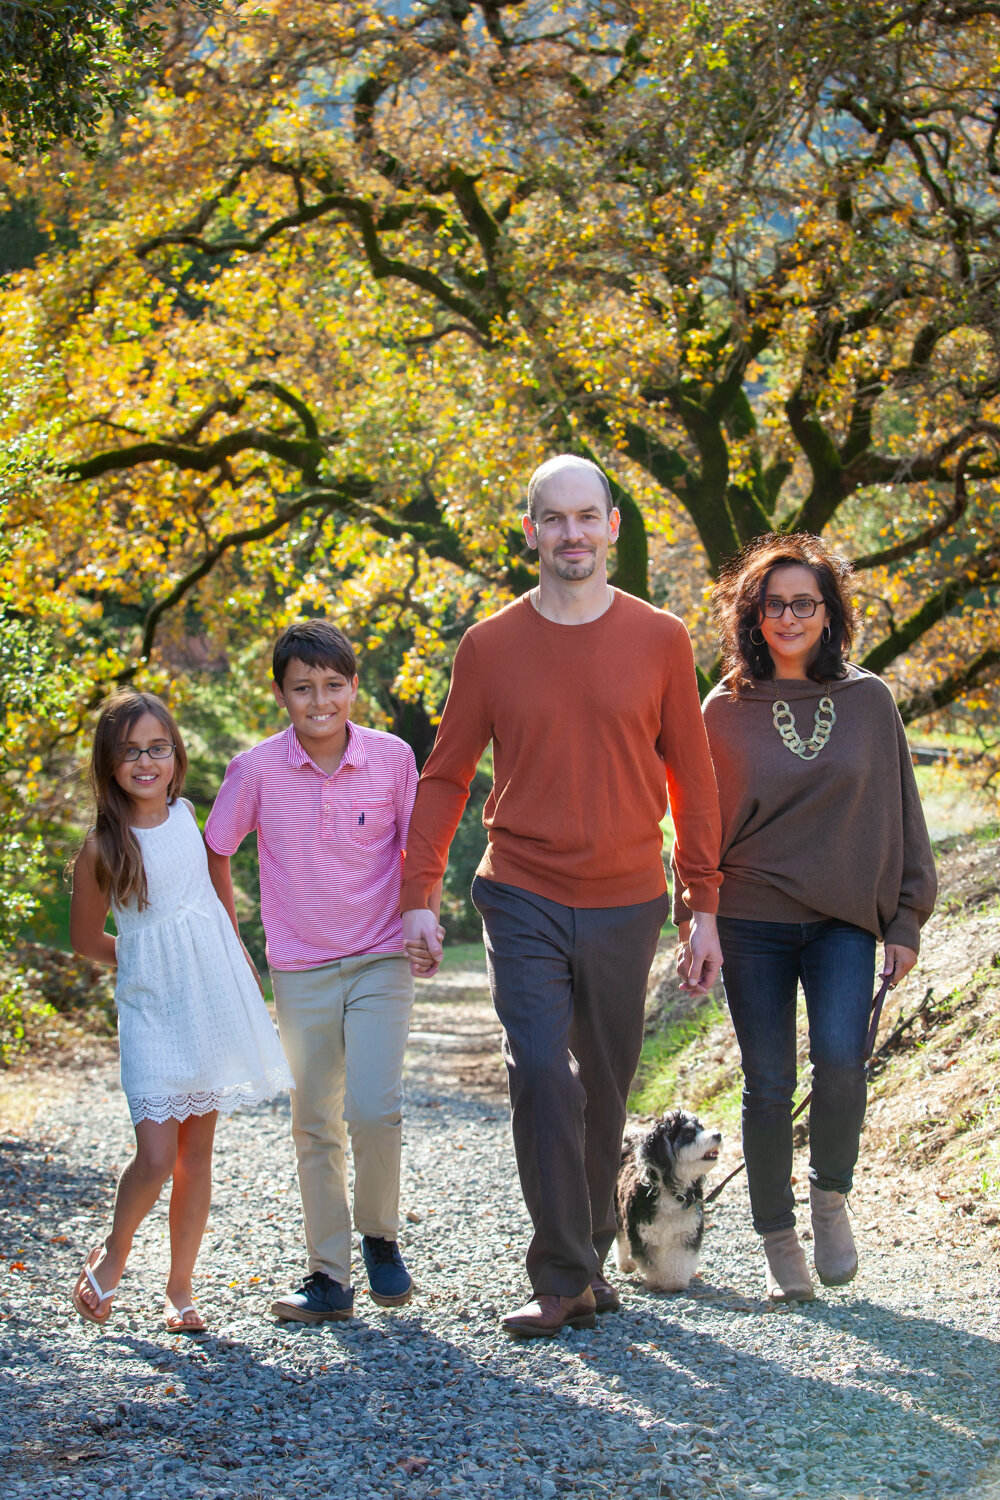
<point>455,1036</point>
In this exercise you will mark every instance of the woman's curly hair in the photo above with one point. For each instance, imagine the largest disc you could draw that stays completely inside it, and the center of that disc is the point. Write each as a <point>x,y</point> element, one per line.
<point>738,601</point>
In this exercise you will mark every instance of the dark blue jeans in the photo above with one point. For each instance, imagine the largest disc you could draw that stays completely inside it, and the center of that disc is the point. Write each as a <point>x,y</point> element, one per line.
<point>762,965</point>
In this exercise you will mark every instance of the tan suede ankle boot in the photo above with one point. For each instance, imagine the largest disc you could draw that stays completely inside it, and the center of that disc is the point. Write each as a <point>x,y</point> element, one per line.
<point>833,1243</point>
<point>788,1278</point>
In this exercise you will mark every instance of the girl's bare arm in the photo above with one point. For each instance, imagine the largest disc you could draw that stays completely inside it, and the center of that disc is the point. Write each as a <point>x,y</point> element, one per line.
<point>222,878</point>
<point>88,910</point>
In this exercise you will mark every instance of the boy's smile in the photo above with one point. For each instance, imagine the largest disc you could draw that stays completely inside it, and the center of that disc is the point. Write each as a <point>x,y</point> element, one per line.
<point>318,700</point>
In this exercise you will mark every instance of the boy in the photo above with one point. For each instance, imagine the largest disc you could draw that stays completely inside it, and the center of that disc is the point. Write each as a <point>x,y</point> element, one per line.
<point>330,804</point>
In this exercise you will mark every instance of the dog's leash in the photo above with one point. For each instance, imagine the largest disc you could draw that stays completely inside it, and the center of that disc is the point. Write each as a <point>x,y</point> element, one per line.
<point>876,1015</point>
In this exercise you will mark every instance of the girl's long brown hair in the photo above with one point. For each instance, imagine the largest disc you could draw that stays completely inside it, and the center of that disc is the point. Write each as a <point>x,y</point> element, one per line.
<point>738,599</point>
<point>119,866</point>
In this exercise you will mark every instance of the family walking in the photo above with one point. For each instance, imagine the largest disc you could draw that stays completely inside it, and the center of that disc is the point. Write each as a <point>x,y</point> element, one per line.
<point>799,844</point>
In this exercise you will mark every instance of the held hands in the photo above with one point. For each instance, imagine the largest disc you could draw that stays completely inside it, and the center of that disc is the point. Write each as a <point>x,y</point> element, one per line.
<point>897,963</point>
<point>423,936</point>
<point>699,957</point>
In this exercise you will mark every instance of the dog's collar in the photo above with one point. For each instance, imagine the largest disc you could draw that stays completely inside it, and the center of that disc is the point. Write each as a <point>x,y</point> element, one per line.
<point>691,1197</point>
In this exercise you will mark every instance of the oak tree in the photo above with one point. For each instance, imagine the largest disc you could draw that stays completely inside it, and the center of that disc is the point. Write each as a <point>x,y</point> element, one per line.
<point>348,272</point>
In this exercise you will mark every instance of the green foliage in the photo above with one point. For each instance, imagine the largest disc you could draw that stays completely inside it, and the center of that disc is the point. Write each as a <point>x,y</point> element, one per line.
<point>62,64</point>
<point>348,271</point>
<point>19,1009</point>
<point>459,917</point>
<point>38,691</point>
<point>27,691</point>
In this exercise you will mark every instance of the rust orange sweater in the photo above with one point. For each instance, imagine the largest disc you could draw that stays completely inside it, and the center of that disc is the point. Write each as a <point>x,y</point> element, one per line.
<point>592,726</point>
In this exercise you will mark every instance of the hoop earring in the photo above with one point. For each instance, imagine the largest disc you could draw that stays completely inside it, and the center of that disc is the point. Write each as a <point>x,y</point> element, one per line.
<point>754,638</point>
<point>825,637</point>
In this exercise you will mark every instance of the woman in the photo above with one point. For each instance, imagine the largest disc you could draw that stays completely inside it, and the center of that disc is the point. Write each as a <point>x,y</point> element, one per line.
<point>824,853</point>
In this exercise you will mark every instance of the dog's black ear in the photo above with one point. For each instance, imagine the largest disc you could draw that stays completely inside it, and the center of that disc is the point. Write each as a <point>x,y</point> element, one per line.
<point>671,1123</point>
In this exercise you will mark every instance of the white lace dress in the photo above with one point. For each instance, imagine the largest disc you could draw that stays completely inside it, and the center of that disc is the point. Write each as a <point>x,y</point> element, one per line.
<point>193,1030</point>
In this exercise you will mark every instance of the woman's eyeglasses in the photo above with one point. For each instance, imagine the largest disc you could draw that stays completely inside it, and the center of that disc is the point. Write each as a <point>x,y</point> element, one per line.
<point>802,609</point>
<point>155,752</point>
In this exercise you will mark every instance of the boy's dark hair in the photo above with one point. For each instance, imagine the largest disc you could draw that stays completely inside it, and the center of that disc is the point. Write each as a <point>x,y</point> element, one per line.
<point>318,644</point>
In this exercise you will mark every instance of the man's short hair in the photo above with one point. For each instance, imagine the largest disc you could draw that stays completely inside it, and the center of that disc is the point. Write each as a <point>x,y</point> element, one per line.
<point>555,465</point>
<point>318,644</point>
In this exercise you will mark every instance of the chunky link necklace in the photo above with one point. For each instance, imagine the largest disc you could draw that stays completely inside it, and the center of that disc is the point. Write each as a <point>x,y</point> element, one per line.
<point>823,721</point>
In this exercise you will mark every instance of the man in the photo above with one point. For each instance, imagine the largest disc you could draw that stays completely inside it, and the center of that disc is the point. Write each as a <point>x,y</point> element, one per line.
<point>590,699</point>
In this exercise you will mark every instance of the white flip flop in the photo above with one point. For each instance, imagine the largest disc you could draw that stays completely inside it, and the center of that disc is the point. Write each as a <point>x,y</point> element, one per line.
<point>175,1320</point>
<point>92,1314</point>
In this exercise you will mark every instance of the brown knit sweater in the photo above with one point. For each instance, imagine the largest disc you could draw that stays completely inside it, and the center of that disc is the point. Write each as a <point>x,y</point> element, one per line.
<point>592,726</point>
<point>839,836</point>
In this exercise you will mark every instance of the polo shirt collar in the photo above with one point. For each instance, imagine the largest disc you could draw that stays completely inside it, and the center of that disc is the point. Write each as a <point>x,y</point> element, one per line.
<point>354,755</point>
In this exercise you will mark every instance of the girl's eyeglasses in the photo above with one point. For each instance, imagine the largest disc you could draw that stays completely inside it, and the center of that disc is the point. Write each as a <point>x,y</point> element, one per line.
<point>802,609</point>
<point>155,752</point>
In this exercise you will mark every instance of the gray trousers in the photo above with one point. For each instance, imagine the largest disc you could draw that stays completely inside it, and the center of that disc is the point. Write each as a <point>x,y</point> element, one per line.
<point>569,987</point>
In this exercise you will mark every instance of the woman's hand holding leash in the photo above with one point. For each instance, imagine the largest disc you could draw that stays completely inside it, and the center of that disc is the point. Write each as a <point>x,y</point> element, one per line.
<point>897,963</point>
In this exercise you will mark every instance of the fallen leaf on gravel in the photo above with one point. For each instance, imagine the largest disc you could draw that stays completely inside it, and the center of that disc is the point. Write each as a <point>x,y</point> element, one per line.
<point>18,1265</point>
<point>413,1465</point>
<point>59,1239</point>
<point>413,1217</point>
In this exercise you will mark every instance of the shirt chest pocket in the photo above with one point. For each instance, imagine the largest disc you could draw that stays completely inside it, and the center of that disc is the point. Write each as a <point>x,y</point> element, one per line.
<point>371,820</point>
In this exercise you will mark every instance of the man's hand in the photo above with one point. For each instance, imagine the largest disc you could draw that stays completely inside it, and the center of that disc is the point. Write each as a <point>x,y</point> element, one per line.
<point>699,957</point>
<point>422,939</point>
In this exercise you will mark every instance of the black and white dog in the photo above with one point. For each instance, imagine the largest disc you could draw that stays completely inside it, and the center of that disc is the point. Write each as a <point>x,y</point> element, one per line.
<point>661,1220</point>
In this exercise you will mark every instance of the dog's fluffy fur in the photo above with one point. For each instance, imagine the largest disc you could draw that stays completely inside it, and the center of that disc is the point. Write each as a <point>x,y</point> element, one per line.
<point>661,1220</point>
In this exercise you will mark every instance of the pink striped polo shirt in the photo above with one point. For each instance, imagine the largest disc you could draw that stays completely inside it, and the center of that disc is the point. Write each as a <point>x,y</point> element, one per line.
<point>330,847</point>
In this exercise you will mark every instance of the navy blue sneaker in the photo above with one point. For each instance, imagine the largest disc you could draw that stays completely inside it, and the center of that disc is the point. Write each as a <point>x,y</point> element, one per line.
<point>319,1299</point>
<point>389,1282</point>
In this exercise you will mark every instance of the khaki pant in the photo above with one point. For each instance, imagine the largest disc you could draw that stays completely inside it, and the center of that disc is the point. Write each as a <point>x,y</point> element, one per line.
<point>343,1027</point>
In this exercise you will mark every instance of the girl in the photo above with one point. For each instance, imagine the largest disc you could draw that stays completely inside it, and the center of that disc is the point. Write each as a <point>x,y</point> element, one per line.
<point>194,1033</point>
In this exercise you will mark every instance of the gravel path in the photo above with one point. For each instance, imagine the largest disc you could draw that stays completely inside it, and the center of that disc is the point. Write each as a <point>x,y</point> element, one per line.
<point>887,1387</point>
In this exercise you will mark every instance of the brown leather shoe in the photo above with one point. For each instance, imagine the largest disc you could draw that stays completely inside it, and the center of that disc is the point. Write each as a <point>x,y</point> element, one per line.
<point>606,1299</point>
<point>546,1315</point>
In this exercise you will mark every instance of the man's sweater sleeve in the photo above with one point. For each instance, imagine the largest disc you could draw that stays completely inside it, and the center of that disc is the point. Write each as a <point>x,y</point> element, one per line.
<point>463,734</point>
<point>691,786</point>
